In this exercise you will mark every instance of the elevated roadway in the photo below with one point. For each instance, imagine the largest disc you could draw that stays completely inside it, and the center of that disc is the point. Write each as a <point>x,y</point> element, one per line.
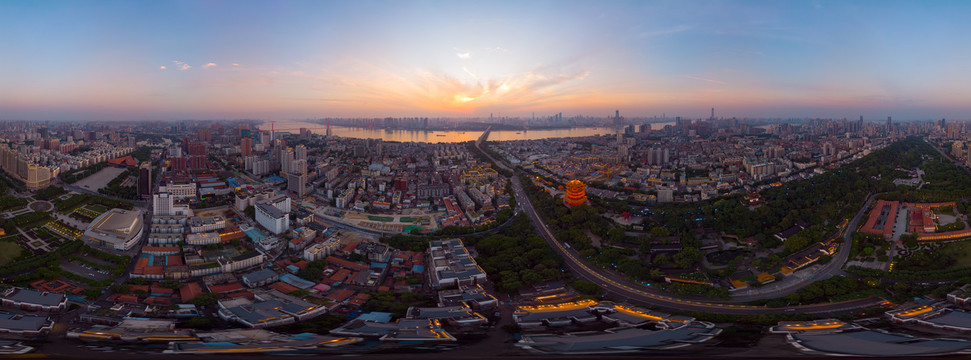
<point>618,286</point>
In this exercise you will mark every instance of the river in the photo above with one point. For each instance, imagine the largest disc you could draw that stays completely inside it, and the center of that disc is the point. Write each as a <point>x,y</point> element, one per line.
<point>444,136</point>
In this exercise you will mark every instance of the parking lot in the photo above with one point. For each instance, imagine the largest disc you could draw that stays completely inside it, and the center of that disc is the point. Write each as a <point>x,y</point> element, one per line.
<point>86,271</point>
<point>100,178</point>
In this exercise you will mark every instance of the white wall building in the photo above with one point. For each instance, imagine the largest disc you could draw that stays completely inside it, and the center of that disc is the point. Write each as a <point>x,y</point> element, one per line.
<point>272,218</point>
<point>204,238</point>
<point>197,224</point>
<point>321,250</point>
<point>179,191</point>
<point>163,204</point>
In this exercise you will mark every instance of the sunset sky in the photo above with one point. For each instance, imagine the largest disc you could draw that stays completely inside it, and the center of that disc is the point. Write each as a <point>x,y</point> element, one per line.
<point>160,60</point>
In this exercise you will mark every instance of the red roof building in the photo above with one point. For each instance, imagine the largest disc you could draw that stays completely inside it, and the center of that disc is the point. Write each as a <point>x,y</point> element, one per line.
<point>341,295</point>
<point>346,263</point>
<point>154,270</point>
<point>340,275</point>
<point>359,300</point>
<point>174,260</point>
<point>159,289</point>
<point>226,288</point>
<point>239,294</point>
<point>126,161</point>
<point>347,250</point>
<point>158,301</point>
<point>189,291</point>
<point>56,286</point>
<point>283,287</point>
<point>127,299</point>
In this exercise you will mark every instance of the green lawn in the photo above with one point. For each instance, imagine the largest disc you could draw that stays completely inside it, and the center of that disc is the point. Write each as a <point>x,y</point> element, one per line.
<point>44,233</point>
<point>961,251</point>
<point>9,250</point>
<point>96,208</point>
<point>380,218</point>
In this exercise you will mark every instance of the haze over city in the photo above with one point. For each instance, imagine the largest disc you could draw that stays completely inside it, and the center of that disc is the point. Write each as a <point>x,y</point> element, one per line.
<point>107,60</point>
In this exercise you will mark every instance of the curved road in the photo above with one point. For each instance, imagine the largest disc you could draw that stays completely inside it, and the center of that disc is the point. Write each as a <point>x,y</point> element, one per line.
<point>615,285</point>
<point>831,269</point>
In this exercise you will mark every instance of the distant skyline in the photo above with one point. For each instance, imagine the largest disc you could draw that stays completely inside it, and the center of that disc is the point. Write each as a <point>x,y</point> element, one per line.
<point>163,60</point>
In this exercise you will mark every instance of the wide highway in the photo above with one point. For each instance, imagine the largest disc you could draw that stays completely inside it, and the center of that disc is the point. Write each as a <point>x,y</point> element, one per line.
<point>615,285</point>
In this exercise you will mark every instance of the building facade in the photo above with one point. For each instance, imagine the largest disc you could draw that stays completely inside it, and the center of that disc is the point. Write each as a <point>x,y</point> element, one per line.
<point>272,218</point>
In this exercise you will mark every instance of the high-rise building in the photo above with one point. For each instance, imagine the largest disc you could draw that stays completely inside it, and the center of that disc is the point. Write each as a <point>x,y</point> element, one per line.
<point>298,166</point>
<point>297,184</point>
<point>286,159</point>
<point>658,156</point>
<point>265,138</point>
<point>38,177</point>
<point>145,180</point>
<point>246,146</point>
<point>272,218</point>
<point>21,168</point>
<point>198,162</point>
<point>829,149</point>
<point>300,152</point>
<point>205,135</point>
<point>196,148</point>
<point>162,204</point>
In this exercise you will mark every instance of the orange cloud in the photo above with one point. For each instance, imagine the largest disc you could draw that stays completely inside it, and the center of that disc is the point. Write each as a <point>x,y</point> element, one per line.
<point>438,91</point>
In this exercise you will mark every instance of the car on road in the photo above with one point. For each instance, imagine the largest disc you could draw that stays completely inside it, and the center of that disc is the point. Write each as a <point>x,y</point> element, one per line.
<point>790,310</point>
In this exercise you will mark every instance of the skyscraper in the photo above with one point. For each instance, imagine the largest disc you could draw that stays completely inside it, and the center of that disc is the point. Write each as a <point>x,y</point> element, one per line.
<point>145,180</point>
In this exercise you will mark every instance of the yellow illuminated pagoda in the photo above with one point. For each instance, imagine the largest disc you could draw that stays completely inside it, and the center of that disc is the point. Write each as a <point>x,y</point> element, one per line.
<point>576,193</point>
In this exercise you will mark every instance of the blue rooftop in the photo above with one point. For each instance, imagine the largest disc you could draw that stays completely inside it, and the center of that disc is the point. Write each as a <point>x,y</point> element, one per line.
<point>274,179</point>
<point>296,281</point>
<point>254,235</point>
<point>375,316</point>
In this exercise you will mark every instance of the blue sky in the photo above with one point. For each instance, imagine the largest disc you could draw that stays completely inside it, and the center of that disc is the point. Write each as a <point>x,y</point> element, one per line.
<point>294,59</point>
